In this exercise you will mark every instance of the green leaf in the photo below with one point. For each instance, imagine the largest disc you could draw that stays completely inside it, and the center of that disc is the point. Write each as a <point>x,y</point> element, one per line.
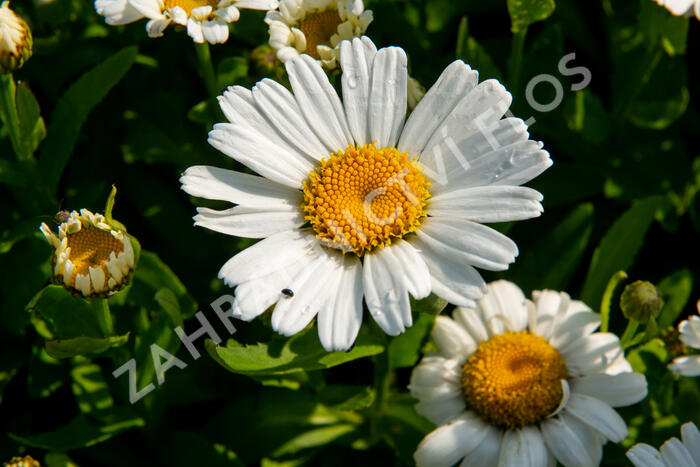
<point>525,12</point>
<point>90,388</point>
<point>432,305</point>
<point>67,348</point>
<point>73,109</point>
<point>188,448</point>
<point>618,248</point>
<point>66,316</point>
<point>553,260</point>
<point>675,291</point>
<point>404,350</point>
<point>664,96</point>
<point>230,70</point>
<point>403,427</point>
<point>317,437</point>
<point>658,25</point>
<point>346,397</point>
<point>31,126</point>
<point>46,374</point>
<point>84,431</point>
<point>649,359</point>
<point>303,351</point>
<point>587,116</point>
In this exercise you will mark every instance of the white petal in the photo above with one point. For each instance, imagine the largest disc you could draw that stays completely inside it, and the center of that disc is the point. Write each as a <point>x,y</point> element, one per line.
<point>228,14</point>
<point>452,340</point>
<point>442,410</point>
<point>215,31</point>
<point>319,102</point>
<point>267,256</point>
<point>615,390</point>
<point>486,453</point>
<point>468,242</point>
<point>148,8</point>
<point>571,442</point>
<point>261,155</point>
<point>339,323</point>
<point>243,221</point>
<point>449,443</point>
<point>356,59</point>
<point>643,455</point>
<point>257,4</point>
<point>252,298</point>
<point>386,292</point>
<point>436,379</point>
<point>503,308</point>
<point>686,366</point>
<point>679,7</point>
<point>454,82</point>
<point>387,99</point>
<point>155,27</point>
<point>117,11</point>
<point>280,107</point>
<point>236,187</point>
<point>472,320</point>
<point>178,15</point>
<point>691,438</point>
<point>488,204</point>
<point>690,332</point>
<point>673,452</point>
<point>592,354</point>
<point>573,327</point>
<point>523,448</point>
<point>459,284</point>
<point>194,30</point>
<point>97,278</point>
<point>598,415</point>
<point>201,12</point>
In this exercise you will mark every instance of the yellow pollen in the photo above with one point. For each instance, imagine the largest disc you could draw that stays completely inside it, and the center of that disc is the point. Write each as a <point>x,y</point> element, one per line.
<point>361,198</point>
<point>91,247</point>
<point>514,379</point>
<point>318,29</point>
<point>189,5</point>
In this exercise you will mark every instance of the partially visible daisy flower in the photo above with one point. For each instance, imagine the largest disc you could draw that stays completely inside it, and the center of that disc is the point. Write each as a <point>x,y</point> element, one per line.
<point>316,27</point>
<point>681,7</point>
<point>26,461</point>
<point>206,20</point>
<point>689,329</point>
<point>522,383</point>
<point>354,202</point>
<point>673,453</point>
<point>15,40</point>
<point>90,257</point>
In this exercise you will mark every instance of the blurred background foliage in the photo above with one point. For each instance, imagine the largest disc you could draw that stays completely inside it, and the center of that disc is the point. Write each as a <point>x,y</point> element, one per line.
<point>103,105</point>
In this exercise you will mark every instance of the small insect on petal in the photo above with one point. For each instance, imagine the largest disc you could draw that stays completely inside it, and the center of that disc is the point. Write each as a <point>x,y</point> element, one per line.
<point>288,292</point>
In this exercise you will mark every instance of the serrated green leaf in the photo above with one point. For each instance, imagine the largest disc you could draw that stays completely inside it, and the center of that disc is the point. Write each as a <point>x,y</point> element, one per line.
<point>525,12</point>
<point>67,348</point>
<point>73,109</point>
<point>303,351</point>
<point>404,350</point>
<point>618,248</point>
<point>675,291</point>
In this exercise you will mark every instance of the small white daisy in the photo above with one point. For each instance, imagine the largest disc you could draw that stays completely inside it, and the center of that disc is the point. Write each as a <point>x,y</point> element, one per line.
<point>316,27</point>
<point>681,7</point>
<point>206,20</point>
<point>689,329</point>
<point>673,453</point>
<point>522,383</point>
<point>354,202</point>
<point>90,256</point>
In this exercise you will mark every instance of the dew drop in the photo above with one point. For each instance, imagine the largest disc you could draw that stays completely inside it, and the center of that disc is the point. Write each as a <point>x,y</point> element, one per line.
<point>352,82</point>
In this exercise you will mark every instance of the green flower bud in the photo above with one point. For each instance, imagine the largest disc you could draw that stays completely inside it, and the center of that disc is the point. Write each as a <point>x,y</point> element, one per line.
<point>641,301</point>
<point>15,40</point>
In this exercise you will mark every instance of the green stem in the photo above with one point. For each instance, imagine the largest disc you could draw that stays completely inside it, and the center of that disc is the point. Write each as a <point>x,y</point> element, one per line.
<point>104,317</point>
<point>206,70</point>
<point>607,299</point>
<point>382,373</point>
<point>515,64</point>
<point>9,113</point>
<point>628,335</point>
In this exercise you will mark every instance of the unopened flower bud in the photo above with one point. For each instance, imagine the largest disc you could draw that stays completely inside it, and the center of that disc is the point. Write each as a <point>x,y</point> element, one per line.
<point>15,40</point>
<point>641,301</point>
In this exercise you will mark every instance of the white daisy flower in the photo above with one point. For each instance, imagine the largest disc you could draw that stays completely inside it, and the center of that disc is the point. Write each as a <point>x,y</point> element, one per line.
<point>681,7</point>
<point>15,40</point>
<point>522,383</point>
<point>689,329</point>
<point>354,202</point>
<point>206,20</point>
<point>673,453</point>
<point>90,257</point>
<point>316,27</point>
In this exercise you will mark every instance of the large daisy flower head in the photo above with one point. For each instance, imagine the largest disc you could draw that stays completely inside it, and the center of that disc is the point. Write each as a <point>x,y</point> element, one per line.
<point>522,383</point>
<point>316,27</point>
<point>206,20</point>
<point>681,7</point>
<point>353,202</point>
<point>688,365</point>
<point>673,453</point>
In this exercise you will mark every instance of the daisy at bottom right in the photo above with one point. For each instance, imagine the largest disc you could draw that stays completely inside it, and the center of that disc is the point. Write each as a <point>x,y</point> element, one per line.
<point>673,453</point>
<point>519,382</point>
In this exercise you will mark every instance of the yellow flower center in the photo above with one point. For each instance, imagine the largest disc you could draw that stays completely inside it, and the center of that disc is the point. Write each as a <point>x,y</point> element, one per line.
<point>91,247</point>
<point>189,5</point>
<point>318,29</point>
<point>514,379</point>
<point>361,198</point>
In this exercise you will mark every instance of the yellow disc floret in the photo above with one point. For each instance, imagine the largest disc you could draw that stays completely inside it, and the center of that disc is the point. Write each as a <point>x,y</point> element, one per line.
<point>318,29</point>
<point>189,5</point>
<point>91,247</point>
<point>514,379</point>
<point>361,198</point>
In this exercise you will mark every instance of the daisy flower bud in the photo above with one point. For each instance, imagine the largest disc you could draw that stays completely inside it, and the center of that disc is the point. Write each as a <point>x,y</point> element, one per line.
<point>26,461</point>
<point>15,40</point>
<point>91,256</point>
<point>641,301</point>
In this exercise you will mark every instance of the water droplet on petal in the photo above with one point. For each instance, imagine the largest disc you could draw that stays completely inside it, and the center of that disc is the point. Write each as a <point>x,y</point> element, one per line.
<point>352,82</point>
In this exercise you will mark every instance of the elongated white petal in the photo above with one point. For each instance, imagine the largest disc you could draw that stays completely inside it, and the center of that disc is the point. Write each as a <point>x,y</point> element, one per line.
<point>523,448</point>
<point>686,366</point>
<point>243,221</point>
<point>356,60</point>
<point>449,443</point>
<point>690,331</point>
<point>598,415</point>
<point>486,453</point>
<point>452,340</point>
<point>488,204</point>
<point>386,293</point>
<point>691,438</point>
<point>387,100</point>
<point>149,8</point>
<point>117,11</point>
<point>255,296</point>
<point>566,442</point>
<point>615,390</point>
<point>643,455</point>
<point>503,308</point>
<point>472,320</point>
<point>592,354</point>
<point>215,31</point>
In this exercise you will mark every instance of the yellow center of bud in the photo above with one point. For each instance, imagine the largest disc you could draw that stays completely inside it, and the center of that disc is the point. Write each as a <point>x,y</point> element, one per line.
<point>189,5</point>
<point>514,379</point>
<point>91,247</point>
<point>318,29</point>
<point>361,198</point>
